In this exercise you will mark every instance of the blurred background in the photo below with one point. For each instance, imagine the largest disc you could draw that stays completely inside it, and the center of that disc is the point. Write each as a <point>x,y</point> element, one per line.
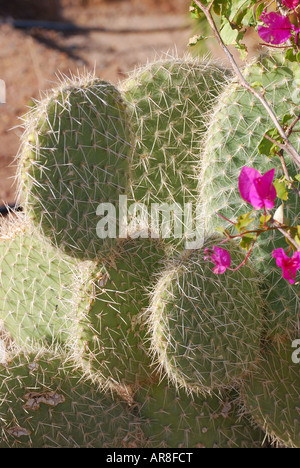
<point>40,38</point>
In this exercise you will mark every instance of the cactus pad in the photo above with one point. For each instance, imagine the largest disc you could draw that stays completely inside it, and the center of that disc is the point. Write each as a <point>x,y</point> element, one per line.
<point>272,394</point>
<point>172,419</point>
<point>45,403</point>
<point>75,156</point>
<point>113,330</point>
<point>36,285</point>
<point>206,328</point>
<point>169,101</point>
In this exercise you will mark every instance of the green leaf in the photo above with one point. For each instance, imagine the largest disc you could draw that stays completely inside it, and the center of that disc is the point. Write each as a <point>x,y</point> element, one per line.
<point>297,236</point>
<point>297,178</point>
<point>244,221</point>
<point>194,12</point>
<point>247,241</point>
<point>257,84</point>
<point>248,18</point>
<point>266,146</point>
<point>290,55</point>
<point>227,33</point>
<point>281,189</point>
<point>220,229</point>
<point>286,118</point>
<point>280,217</point>
<point>220,6</point>
<point>238,8</point>
<point>264,220</point>
<point>259,10</point>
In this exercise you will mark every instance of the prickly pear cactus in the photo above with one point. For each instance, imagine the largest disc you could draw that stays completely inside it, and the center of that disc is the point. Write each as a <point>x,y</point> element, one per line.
<point>272,393</point>
<point>46,403</point>
<point>75,155</point>
<point>237,128</point>
<point>206,328</point>
<point>93,319</point>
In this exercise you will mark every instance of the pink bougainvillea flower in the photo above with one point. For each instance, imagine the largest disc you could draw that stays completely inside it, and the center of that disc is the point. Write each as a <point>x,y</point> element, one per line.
<point>291,4</point>
<point>257,189</point>
<point>220,257</point>
<point>289,265</point>
<point>277,29</point>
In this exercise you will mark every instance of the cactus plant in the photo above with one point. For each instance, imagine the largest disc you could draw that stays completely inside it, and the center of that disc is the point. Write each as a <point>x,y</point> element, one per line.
<point>206,329</point>
<point>85,327</point>
<point>237,127</point>
<point>75,155</point>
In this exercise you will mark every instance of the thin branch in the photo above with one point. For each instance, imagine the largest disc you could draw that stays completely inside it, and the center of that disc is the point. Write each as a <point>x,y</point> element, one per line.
<point>287,145</point>
<point>290,129</point>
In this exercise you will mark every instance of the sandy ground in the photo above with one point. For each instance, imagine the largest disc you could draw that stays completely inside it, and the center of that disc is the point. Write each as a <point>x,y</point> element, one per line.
<point>31,59</point>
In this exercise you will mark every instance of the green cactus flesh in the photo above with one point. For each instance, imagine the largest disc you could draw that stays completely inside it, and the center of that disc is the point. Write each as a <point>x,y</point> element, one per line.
<point>169,101</point>
<point>75,156</point>
<point>206,328</point>
<point>45,403</point>
<point>272,394</point>
<point>113,334</point>
<point>171,419</point>
<point>237,128</point>
<point>36,286</point>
